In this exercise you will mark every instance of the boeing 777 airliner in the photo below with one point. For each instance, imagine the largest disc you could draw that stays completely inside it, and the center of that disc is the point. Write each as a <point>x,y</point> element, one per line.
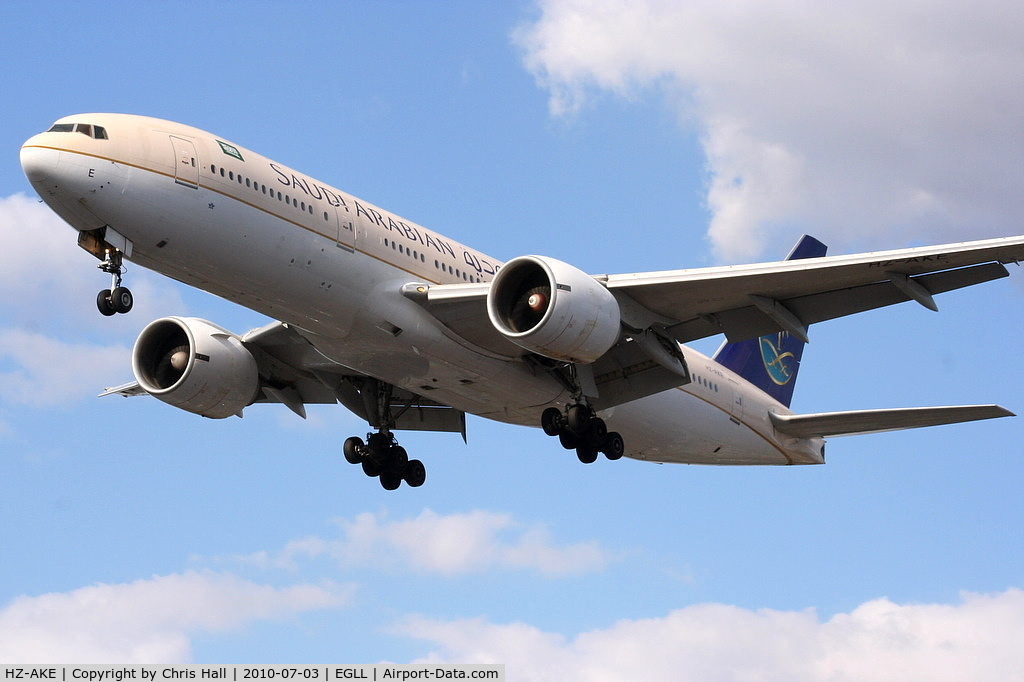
<point>412,330</point>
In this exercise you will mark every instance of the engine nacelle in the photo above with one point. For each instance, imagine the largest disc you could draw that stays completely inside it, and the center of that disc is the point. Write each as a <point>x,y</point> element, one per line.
<point>195,365</point>
<point>553,309</point>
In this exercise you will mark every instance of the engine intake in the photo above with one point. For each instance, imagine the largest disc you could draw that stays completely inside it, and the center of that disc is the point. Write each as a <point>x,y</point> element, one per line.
<point>553,309</point>
<point>196,366</point>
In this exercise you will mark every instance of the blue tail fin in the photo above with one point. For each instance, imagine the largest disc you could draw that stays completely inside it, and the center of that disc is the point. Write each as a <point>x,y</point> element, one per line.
<point>771,362</point>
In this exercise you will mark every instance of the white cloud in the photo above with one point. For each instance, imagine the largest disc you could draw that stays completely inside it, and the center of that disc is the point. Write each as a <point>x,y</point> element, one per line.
<point>977,639</point>
<point>48,372</point>
<point>45,359</point>
<point>454,544</point>
<point>56,282</point>
<point>40,246</point>
<point>147,621</point>
<point>850,120</point>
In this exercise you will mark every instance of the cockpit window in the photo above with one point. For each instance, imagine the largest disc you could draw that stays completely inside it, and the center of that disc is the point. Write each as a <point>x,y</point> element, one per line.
<point>95,132</point>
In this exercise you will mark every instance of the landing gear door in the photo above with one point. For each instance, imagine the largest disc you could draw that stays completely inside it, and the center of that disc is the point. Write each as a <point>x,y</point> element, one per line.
<point>186,162</point>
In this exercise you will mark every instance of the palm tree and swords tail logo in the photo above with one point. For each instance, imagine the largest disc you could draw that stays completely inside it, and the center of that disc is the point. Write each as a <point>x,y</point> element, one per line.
<point>780,365</point>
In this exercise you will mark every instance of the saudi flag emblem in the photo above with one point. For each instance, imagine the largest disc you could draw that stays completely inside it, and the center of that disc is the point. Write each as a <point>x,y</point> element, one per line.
<point>230,150</point>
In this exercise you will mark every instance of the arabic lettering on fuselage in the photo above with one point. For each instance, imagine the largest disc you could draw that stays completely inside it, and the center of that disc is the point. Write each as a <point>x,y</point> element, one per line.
<point>388,222</point>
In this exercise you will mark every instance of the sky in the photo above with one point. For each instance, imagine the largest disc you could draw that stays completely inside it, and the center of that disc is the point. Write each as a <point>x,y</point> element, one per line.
<point>618,136</point>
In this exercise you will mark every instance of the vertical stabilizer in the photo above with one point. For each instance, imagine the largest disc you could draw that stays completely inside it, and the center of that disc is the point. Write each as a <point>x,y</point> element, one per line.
<point>771,362</point>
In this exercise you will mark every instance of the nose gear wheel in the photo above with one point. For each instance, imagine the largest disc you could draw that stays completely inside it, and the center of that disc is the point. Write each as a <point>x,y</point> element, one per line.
<point>116,299</point>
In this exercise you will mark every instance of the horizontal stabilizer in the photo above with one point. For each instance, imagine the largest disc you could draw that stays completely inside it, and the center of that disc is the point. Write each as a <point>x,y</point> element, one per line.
<point>831,424</point>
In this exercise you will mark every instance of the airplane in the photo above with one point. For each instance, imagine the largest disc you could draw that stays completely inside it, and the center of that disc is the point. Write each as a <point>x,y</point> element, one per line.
<point>411,330</point>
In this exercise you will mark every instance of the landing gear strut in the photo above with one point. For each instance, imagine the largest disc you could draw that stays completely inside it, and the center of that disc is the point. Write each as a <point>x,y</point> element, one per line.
<point>381,456</point>
<point>116,299</point>
<point>581,430</point>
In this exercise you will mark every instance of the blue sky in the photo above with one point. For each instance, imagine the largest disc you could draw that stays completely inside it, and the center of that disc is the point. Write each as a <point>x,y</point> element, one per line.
<point>620,137</point>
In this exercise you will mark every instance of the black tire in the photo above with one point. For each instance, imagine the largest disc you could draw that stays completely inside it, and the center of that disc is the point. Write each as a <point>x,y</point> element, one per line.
<point>568,440</point>
<point>613,447</point>
<point>578,417</point>
<point>389,480</point>
<point>597,431</point>
<point>122,300</point>
<point>371,468</point>
<point>351,450</point>
<point>415,473</point>
<point>398,458</point>
<point>551,421</point>
<point>587,454</point>
<point>104,304</point>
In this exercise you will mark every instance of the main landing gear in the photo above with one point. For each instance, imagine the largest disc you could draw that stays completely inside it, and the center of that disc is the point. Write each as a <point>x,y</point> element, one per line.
<point>581,430</point>
<point>116,299</point>
<point>381,456</point>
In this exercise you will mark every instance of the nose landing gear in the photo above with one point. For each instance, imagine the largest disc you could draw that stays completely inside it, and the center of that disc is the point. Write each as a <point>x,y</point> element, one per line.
<point>581,430</point>
<point>116,299</point>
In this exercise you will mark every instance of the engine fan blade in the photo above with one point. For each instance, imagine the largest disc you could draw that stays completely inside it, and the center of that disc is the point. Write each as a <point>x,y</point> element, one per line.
<point>171,366</point>
<point>529,308</point>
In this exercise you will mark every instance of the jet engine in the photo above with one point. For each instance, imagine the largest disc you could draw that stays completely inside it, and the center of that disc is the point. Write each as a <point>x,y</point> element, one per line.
<point>195,365</point>
<point>553,309</point>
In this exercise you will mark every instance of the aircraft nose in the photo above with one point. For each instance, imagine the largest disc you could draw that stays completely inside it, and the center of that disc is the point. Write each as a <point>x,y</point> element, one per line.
<point>38,162</point>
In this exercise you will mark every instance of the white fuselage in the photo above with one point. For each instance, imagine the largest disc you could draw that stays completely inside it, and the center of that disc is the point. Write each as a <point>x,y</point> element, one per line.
<point>222,218</point>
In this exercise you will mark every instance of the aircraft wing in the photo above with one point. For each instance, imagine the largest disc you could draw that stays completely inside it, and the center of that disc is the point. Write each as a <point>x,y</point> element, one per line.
<point>832,424</point>
<point>287,364</point>
<point>748,301</point>
<point>742,302</point>
<point>294,373</point>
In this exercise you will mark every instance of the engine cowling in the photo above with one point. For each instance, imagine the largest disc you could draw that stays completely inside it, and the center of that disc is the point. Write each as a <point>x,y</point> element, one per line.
<point>196,366</point>
<point>553,309</point>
